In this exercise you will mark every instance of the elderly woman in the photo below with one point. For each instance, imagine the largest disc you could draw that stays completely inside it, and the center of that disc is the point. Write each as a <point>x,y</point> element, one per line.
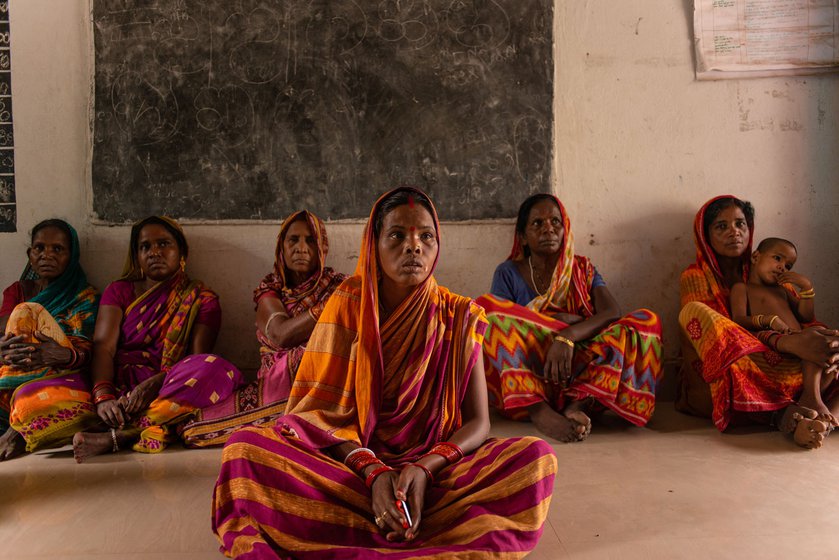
<point>557,346</point>
<point>289,301</point>
<point>383,450</point>
<point>48,317</point>
<point>746,374</point>
<point>150,367</point>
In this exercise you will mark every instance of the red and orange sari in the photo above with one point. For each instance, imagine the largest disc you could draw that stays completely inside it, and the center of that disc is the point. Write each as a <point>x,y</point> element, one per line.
<point>619,367</point>
<point>743,374</point>
<point>396,388</point>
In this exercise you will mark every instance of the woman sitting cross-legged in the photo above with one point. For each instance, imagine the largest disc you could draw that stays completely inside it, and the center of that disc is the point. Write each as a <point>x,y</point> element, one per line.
<point>383,449</point>
<point>151,367</point>
<point>289,301</point>
<point>48,318</point>
<point>557,347</point>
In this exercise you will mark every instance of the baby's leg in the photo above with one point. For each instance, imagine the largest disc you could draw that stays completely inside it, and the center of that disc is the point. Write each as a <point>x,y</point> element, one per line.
<point>811,393</point>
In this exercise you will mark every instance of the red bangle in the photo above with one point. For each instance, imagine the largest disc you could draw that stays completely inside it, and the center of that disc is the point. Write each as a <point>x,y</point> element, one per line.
<point>359,462</point>
<point>425,470</point>
<point>448,451</point>
<point>106,397</point>
<point>371,478</point>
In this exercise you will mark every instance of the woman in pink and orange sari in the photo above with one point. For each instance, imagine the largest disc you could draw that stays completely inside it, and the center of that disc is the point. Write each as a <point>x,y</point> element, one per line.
<point>383,451</point>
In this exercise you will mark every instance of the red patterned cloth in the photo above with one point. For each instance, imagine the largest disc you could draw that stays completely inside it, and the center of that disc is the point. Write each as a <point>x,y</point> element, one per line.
<point>743,373</point>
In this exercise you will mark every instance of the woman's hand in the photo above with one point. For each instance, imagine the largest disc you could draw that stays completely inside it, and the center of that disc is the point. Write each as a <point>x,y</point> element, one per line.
<point>143,394</point>
<point>46,353</point>
<point>411,487</point>
<point>815,344</point>
<point>558,363</point>
<point>384,505</point>
<point>8,343</point>
<point>111,413</point>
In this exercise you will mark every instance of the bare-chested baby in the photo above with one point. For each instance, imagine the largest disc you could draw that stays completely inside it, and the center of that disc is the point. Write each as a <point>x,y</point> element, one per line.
<point>774,302</point>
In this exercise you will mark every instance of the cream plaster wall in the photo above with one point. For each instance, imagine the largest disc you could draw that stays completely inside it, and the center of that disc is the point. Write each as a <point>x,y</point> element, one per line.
<point>639,146</point>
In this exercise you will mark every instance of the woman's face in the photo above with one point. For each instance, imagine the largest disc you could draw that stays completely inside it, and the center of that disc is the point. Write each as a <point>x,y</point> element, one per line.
<point>544,232</point>
<point>158,252</point>
<point>50,253</point>
<point>407,246</point>
<point>728,234</point>
<point>300,250</point>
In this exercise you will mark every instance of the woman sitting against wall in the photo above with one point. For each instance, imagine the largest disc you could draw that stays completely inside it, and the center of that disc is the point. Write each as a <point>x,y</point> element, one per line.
<point>151,365</point>
<point>728,371</point>
<point>289,301</point>
<point>48,318</point>
<point>557,348</point>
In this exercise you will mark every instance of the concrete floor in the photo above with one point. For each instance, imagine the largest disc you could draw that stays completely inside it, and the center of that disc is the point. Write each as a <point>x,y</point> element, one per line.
<point>676,489</point>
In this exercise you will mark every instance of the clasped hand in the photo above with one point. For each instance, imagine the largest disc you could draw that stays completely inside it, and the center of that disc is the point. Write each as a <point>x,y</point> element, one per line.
<point>117,412</point>
<point>389,488</point>
<point>16,352</point>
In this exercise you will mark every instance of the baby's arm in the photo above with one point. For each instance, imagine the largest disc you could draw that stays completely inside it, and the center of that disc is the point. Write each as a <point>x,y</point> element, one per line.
<point>804,308</point>
<point>739,302</point>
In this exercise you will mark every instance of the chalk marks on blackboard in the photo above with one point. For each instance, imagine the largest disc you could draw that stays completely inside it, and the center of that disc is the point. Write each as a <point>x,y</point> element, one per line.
<point>248,109</point>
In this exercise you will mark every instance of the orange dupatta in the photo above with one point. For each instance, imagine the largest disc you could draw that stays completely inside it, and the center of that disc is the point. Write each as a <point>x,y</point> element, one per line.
<point>395,387</point>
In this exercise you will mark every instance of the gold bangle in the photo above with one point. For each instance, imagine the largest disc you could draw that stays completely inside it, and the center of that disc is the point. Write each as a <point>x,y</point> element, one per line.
<point>807,294</point>
<point>564,340</point>
<point>772,320</point>
<point>757,321</point>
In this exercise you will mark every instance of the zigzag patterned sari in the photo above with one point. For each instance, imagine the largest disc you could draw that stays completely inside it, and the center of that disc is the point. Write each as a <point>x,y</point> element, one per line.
<point>619,367</point>
<point>396,389</point>
<point>743,374</point>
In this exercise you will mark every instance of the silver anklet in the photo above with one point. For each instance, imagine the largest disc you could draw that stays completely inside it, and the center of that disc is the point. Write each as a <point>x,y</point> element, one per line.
<point>115,448</point>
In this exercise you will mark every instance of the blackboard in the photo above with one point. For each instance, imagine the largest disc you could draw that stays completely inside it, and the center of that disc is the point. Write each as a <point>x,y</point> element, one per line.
<point>249,109</point>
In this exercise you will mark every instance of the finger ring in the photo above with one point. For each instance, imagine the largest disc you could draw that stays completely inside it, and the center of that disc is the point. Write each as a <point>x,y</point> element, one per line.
<point>380,521</point>
<point>385,514</point>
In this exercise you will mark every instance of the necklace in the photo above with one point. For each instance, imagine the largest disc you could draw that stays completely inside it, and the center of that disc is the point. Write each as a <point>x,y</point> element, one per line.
<point>532,279</point>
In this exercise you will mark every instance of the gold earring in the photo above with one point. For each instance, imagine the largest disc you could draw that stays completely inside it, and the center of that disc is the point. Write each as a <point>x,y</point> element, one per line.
<point>183,264</point>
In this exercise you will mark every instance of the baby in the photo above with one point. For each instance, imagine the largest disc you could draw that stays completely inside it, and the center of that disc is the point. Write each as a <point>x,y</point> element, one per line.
<point>764,304</point>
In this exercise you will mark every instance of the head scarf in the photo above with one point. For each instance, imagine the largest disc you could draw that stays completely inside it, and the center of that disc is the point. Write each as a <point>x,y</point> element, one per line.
<point>61,293</point>
<point>303,296</point>
<point>570,288</point>
<point>132,270</point>
<point>421,357</point>
<point>706,259</point>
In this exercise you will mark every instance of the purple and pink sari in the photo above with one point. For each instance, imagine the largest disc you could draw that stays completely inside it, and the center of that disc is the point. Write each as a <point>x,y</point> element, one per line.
<point>154,338</point>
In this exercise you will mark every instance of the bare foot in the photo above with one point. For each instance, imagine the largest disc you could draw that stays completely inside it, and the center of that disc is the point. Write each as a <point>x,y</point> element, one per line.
<point>809,433</point>
<point>789,422</point>
<point>822,411</point>
<point>87,445</point>
<point>555,425</point>
<point>576,411</point>
<point>11,445</point>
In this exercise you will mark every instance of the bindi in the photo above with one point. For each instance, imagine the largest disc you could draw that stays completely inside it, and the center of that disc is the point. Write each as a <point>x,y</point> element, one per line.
<point>412,228</point>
